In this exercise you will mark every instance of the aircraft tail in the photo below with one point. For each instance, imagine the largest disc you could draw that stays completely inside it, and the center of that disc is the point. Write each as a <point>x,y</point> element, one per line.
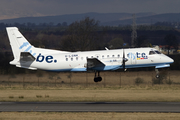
<point>19,45</point>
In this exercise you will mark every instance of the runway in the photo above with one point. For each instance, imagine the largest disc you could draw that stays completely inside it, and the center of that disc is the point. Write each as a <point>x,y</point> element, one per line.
<point>173,107</point>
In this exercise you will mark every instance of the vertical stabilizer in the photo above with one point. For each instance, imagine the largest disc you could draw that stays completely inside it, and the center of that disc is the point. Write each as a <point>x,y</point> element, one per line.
<point>18,43</point>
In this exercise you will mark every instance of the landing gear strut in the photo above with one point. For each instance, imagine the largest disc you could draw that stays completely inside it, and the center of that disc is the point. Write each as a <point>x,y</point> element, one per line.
<point>97,78</point>
<point>157,73</point>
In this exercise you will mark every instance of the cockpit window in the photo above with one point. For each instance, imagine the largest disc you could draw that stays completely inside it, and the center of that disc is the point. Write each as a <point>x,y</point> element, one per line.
<point>151,52</point>
<point>158,52</point>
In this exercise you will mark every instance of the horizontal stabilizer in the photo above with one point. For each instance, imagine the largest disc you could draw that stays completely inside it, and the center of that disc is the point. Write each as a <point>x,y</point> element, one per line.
<point>31,68</point>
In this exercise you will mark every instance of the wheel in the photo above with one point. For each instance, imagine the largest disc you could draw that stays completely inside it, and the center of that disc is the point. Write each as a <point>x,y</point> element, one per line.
<point>99,79</point>
<point>96,79</point>
<point>157,75</point>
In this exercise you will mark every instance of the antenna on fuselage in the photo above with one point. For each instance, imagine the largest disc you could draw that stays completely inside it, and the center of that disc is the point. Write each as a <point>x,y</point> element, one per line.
<point>106,48</point>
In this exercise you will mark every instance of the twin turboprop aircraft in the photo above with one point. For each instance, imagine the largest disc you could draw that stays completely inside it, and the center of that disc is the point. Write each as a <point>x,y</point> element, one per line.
<point>30,57</point>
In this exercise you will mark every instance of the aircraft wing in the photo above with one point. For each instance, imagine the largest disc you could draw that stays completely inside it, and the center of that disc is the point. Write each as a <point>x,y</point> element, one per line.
<point>94,62</point>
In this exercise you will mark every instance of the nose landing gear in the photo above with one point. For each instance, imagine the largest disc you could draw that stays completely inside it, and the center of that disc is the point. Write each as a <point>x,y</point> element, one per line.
<point>157,73</point>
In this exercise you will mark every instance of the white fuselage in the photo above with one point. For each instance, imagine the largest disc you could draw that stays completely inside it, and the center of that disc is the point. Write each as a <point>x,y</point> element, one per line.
<point>112,59</point>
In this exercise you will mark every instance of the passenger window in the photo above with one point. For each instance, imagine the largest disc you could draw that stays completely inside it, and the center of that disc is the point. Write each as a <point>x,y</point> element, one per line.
<point>112,55</point>
<point>118,55</point>
<point>76,58</point>
<point>81,58</point>
<point>71,59</point>
<point>107,55</point>
<point>103,56</point>
<point>66,59</point>
<point>91,56</point>
<point>151,52</point>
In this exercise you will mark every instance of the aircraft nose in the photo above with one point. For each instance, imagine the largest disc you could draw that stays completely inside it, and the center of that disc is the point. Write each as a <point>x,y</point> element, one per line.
<point>170,60</point>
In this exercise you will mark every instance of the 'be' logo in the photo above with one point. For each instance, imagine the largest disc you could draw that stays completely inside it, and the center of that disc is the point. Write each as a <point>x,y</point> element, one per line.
<point>48,59</point>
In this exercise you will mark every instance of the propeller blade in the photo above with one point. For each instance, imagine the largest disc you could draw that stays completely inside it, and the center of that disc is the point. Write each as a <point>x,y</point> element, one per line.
<point>123,61</point>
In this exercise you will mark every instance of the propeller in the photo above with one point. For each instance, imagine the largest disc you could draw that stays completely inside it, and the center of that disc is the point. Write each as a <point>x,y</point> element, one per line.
<point>124,60</point>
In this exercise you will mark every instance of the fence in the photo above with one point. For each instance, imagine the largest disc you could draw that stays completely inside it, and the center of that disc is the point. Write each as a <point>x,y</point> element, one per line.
<point>85,79</point>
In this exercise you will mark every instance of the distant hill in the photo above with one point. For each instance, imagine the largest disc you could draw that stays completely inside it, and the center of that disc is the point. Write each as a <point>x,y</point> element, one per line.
<point>69,18</point>
<point>111,19</point>
<point>169,17</point>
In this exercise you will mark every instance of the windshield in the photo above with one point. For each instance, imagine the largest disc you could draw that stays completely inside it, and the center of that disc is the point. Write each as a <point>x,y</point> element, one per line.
<point>154,52</point>
<point>158,52</point>
<point>151,52</point>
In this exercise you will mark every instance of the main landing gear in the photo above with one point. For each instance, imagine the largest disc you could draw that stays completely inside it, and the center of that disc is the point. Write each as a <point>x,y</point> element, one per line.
<point>97,78</point>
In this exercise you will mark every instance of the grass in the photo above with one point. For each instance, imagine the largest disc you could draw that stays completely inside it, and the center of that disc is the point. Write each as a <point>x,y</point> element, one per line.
<point>11,97</point>
<point>113,79</point>
<point>83,88</point>
<point>39,96</point>
<point>21,97</point>
<point>87,116</point>
<point>158,93</point>
<point>115,86</point>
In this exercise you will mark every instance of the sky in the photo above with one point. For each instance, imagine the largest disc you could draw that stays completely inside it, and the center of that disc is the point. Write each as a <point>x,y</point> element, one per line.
<point>24,8</point>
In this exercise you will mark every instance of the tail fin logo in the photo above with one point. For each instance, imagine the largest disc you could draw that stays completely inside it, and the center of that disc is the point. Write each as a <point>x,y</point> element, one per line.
<point>28,49</point>
<point>24,45</point>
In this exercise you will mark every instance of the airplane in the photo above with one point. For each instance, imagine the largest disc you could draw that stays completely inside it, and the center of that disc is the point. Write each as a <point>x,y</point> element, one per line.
<point>30,57</point>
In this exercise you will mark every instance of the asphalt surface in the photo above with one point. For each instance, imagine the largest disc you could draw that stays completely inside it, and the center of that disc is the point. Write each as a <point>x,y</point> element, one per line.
<point>173,107</point>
